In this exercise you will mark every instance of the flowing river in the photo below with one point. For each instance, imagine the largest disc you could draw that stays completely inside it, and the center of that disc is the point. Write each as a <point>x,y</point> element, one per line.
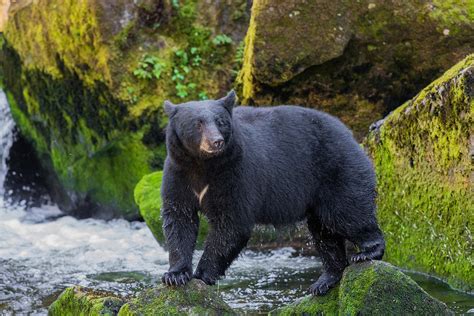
<point>43,251</point>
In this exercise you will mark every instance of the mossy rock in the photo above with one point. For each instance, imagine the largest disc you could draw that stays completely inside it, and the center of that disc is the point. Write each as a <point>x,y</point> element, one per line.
<point>423,155</point>
<point>86,81</point>
<point>370,288</point>
<point>354,59</point>
<point>196,298</point>
<point>148,198</point>
<point>85,302</point>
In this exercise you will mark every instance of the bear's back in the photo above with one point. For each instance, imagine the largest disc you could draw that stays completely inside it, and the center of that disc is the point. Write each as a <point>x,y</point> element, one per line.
<point>289,122</point>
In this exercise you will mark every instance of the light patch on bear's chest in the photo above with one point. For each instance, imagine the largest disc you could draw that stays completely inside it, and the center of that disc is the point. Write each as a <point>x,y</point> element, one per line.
<point>200,195</point>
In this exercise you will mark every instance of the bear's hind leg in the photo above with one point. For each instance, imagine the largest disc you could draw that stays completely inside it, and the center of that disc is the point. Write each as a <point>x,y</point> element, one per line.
<point>332,252</point>
<point>371,245</point>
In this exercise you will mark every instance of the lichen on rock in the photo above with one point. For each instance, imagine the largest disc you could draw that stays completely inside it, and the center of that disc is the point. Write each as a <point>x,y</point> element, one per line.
<point>370,288</point>
<point>423,155</point>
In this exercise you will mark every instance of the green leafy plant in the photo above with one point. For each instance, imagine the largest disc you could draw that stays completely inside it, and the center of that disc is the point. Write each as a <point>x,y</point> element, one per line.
<point>203,95</point>
<point>222,40</point>
<point>185,60</point>
<point>131,96</point>
<point>149,67</point>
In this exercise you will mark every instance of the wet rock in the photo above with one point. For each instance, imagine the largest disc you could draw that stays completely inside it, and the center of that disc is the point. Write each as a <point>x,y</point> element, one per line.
<point>81,301</point>
<point>355,59</point>
<point>86,82</point>
<point>422,155</point>
<point>195,298</point>
<point>370,288</point>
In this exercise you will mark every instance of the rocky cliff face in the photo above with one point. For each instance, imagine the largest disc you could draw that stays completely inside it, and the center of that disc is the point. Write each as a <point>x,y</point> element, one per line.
<point>355,59</point>
<point>86,81</point>
<point>423,153</point>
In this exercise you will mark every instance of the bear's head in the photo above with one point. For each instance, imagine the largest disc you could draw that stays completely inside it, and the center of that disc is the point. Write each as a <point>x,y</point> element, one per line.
<point>202,128</point>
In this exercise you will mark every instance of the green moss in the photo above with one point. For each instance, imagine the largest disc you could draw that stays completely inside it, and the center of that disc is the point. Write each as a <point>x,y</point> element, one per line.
<point>245,79</point>
<point>148,197</point>
<point>320,305</point>
<point>354,289</point>
<point>422,156</point>
<point>83,302</point>
<point>109,175</point>
<point>26,126</point>
<point>40,29</point>
<point>370,288</point>
<point>195,298</point>
<point>452,13</point>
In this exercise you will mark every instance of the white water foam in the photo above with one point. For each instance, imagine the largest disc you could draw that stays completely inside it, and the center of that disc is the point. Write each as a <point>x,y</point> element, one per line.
<point>6,137</point>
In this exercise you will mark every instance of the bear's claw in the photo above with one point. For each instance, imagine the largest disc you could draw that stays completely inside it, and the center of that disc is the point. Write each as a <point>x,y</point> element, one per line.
<point>359,257</point>
<point>205,277</point>
<point>175,278</point>
<point>325,282</point>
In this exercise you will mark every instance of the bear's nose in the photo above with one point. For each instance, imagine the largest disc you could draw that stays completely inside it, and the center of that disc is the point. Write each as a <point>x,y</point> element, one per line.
<point>218,144</point>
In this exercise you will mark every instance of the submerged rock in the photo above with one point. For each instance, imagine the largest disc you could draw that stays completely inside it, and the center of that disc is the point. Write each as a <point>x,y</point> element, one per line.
<point>370,288</point>
<point>81,301</point>
<point>86,81</point>
<point>354,59</point>
<point>423,155</point>
<point>195,298</point>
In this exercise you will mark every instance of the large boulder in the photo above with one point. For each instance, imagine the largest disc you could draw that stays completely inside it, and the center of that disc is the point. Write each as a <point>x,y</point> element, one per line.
<point>196,298</point>
<point>370,288</point>
<point>423,154</point>
<point>355,59</point>
<point>86,81</point>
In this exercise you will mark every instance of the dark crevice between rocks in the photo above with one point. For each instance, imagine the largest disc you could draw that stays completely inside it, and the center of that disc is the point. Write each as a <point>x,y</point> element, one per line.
<point>26,178</point>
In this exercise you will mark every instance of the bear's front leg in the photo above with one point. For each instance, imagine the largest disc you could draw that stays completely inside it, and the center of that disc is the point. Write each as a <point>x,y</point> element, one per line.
<point>180,226</point>
<point>223,244</point>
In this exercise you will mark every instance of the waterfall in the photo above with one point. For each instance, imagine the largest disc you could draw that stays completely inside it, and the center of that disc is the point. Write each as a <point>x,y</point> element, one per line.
<point>6,138</point>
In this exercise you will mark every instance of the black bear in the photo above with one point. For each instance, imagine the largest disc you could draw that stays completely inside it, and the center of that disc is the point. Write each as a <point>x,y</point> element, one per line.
<point>269,165</point>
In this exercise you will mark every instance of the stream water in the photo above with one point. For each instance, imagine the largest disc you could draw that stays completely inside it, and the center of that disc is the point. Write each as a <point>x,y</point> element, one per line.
<point>42,251</point>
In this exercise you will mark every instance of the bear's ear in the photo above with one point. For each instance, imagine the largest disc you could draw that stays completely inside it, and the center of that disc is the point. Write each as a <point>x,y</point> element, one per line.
<point>170,108</point>
<point>228,101</point>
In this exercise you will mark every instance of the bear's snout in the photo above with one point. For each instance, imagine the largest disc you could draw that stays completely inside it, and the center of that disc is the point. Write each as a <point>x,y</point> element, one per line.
<point>218,144</point>
<point>212,142</point>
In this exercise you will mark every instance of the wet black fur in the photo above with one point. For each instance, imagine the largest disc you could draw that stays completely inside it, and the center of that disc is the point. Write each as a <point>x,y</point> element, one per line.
<point>280,165</point>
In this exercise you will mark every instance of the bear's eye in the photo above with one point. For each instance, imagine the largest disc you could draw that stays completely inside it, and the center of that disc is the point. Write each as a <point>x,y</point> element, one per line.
<point>220,122</point>
<point>199,125</point>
